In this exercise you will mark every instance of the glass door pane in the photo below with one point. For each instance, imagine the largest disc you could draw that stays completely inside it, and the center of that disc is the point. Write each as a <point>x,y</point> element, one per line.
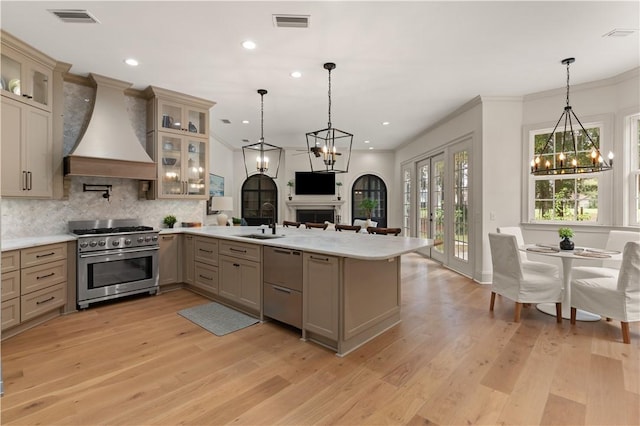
<point>11,74</point>
<point>424,206</point>
<point>196,157</point>
<point>39,86</point>
<point>171,164</point>
<point>170,116</point>
<point>196,121</point>
<point>406,202</point>
<point>437,201</point>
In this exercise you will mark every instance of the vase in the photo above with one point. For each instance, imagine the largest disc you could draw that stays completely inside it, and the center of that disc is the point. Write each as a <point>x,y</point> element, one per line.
<point>566,244</point>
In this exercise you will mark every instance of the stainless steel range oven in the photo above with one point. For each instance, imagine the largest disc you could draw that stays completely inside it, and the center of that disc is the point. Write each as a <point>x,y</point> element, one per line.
<point>116,258</point>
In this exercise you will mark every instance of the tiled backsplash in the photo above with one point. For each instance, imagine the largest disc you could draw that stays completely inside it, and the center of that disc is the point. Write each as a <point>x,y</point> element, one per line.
<point>30,218</point>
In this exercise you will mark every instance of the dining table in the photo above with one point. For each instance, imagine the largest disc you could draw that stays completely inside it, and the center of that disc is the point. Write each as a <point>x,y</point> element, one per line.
<point>567,257</point>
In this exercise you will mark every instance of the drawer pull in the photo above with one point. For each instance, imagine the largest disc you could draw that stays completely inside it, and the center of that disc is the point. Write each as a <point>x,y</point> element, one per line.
<point>236,250</point>
<point>206,278</point>
<point>45,300</point>
<point>206,251</point>
<point>282,289</point>
<point>45,276</point>
<point>45,255</point>
<point>323,259</point>
<point>168,237</point>
<point>236,265</point>
<point>283,251</point>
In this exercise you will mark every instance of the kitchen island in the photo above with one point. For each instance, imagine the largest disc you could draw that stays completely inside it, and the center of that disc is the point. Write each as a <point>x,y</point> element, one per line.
<point>351,286</point>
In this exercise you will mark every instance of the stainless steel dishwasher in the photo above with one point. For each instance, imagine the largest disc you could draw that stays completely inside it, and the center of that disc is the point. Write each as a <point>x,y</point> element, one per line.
<point>282,287</point>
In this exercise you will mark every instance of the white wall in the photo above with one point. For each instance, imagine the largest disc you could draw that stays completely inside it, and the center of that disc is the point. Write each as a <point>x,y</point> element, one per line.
<point>221,163</point>
<point>380,163</point>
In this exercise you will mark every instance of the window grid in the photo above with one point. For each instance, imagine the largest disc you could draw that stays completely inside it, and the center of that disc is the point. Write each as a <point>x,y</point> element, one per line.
<point>424,201</point>
<point>406,203</point>
<point>438,208</point>
<point>461,217</point>
<point>566,197</point>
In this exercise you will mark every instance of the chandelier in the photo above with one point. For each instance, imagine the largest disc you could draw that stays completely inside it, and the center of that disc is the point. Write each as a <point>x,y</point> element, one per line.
<point>267,156</point>
<point>577,152</point>
<point>330,148</point>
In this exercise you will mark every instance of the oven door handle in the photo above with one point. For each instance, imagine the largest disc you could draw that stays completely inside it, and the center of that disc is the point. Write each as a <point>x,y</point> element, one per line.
<point>116,252</point>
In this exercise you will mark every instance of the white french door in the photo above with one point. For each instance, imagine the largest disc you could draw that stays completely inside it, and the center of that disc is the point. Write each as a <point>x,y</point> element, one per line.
<point>459,204</point>
<point>431,207</point>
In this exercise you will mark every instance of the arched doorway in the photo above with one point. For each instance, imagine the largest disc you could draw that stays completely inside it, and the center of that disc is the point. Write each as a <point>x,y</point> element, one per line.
<point>257,190</point>
<point>373,187</point>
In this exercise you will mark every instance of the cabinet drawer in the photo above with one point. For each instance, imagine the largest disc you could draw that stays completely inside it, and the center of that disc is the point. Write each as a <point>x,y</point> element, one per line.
<point>283,304</point>
<point>10,261</point>
<point>206,277</point>
<point>240,250</point>
<point>10,313</point>
<point>42,301</point>
<point>43,254</point>
<point>39,277</point>
<point>10,285</point>
<point>206,250</point>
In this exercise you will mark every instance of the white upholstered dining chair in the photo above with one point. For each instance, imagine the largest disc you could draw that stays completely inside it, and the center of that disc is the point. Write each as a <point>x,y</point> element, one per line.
<point>511,280</point>
<point>529,265</point>
<point>608,268</point>
<point>615,298</point>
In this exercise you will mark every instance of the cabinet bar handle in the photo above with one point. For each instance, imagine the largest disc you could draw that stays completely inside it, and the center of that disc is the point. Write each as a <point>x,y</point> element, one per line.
<point>236,265</point>
<point>282,289</point>
<point>168,237</point>
<point>45,255</point>
<point>236,250</point>
<point>45,300</point>
<point>46,276</point>
<point>30,184</point>
<point>282,251</point>
<point>323,259</point>
<point>206,278</point>
<point>24,180</point>
<point>206,251</point>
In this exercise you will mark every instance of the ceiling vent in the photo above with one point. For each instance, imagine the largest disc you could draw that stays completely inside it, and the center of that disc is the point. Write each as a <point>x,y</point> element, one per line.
<point>620,32</point>
<point>291,21</point>
<point>75,16</point>
<point>225,120</point>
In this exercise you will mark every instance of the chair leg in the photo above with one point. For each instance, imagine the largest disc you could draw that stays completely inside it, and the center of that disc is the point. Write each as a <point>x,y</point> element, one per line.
<point>559,313</point>
<point>517,313</point>
<point>626,338</point>
<point>493,300</point>
<point>608,319</point>
<point>573,315</point>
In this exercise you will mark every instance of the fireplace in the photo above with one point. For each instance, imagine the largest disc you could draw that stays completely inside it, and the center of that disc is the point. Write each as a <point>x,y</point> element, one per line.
<point>315,216</point>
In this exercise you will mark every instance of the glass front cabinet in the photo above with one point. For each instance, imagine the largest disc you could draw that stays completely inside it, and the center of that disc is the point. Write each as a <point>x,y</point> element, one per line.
<point>178,140</point>
<point>25,79</point>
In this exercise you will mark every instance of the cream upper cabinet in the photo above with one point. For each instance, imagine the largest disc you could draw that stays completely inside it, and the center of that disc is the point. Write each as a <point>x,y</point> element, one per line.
<point>182,167</point>
<point>178,140</point>
<point>27,150</point>
<point>26,79</point>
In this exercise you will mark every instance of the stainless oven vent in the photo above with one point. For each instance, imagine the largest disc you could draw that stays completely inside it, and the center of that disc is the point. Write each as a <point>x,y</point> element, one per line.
<point>291,21</point>
<point>75,16</point>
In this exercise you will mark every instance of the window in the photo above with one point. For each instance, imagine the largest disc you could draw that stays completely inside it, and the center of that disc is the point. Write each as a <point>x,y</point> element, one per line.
<point>461,204</point>
<point>406,202</point>
<point>370,186</point>
<point>572,198</point>
<point>634,139</point>
<point>257,190</point>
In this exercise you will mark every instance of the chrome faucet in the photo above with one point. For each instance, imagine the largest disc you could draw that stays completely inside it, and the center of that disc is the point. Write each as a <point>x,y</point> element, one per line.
<point>272,225</point>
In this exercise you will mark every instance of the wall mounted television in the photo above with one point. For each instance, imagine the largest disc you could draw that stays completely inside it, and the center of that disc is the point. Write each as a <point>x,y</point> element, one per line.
<point>308,183</point>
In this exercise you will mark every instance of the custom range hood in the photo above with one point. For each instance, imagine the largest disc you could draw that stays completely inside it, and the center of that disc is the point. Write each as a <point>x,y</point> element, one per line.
<point>109,146</point>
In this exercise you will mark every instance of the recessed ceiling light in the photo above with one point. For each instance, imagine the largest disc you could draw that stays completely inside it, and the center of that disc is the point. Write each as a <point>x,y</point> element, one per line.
<point>370,147</point>
<point>249,45</point>
<point>385,123</point>
<point>245,121</point>
<point>367,141</point>
<point>131,62</point>
<point>296,74</point>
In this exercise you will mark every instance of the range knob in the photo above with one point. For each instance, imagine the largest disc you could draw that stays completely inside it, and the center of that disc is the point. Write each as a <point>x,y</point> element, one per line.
<point>154,238</point>
<point>84,244</point>
<point>147,238</point>
<point>93,243</point>
<point>102,243</point>
<point>115,243</point>
<point>140,239</point>
<point>127,242</point>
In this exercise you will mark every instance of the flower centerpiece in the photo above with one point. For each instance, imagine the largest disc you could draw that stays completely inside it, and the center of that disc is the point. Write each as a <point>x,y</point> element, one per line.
<point>169,220</point>
<point>566,234</point>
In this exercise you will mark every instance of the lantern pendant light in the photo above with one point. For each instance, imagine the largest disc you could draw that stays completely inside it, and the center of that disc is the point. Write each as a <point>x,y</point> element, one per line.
<point>330,148</point>
<point>267,157</point>
<point>579,153</point>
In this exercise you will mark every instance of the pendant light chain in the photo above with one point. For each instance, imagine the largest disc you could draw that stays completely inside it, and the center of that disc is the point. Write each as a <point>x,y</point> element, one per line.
<point>329,98</point>
<point>568,63</point>
<point>262,117</point>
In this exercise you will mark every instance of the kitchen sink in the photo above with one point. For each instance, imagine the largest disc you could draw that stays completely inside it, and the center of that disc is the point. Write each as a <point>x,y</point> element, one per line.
<point>260,236</point>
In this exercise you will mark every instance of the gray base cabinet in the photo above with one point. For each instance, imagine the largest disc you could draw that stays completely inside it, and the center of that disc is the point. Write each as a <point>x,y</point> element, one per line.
<point>321,278</point>
<point>240,281</point>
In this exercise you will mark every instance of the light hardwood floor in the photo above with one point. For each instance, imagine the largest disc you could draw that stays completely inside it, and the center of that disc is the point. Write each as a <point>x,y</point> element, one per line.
<point>450,361</point>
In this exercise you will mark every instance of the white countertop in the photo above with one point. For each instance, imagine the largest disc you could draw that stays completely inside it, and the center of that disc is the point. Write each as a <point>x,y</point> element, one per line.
<point>344,244</point>
<point>330,242</point>
<point>20,243</point>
